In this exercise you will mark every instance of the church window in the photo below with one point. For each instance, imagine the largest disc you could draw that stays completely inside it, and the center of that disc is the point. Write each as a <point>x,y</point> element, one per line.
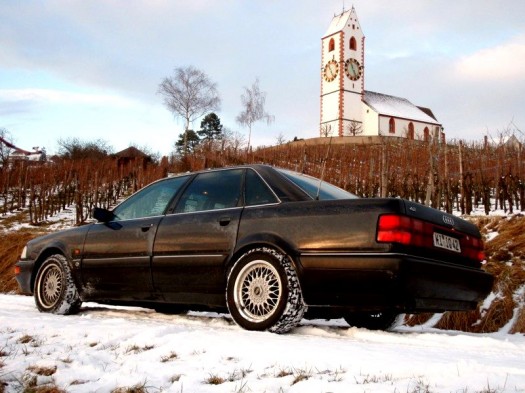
<point>410,130</point>
<point>331,45</point>
<point>426,134</point>
<point>353,43</point>
<point>392,126</point>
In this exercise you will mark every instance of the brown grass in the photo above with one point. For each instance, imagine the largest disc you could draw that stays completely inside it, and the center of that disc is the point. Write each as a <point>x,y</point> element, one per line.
<point>417,319</point>
<point>505,260</point>
<point>519,325</point>
<point>11,247</point>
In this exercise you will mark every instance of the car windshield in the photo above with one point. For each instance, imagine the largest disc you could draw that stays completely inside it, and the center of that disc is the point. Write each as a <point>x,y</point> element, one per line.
<point>315,187</point>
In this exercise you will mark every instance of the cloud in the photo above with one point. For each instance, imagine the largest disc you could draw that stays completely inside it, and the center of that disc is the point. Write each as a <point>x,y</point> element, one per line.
<point>503,62</point>
<point>30,97</point>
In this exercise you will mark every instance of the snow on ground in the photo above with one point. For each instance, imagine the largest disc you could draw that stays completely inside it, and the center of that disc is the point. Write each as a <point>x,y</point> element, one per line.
<point>104,348</point>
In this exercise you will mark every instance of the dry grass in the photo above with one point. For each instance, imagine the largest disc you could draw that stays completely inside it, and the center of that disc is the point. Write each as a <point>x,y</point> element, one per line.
<point>44,371</point>
<point>506,261</point>
<point>10,249</point>
<point>417,319</point>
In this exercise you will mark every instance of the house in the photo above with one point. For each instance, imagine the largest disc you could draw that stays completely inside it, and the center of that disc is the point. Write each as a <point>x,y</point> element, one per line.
<point>132,155</point>
<point>16,154</point>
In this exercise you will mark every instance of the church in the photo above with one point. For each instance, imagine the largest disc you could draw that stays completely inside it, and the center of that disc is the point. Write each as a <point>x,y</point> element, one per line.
<point>347,109</point>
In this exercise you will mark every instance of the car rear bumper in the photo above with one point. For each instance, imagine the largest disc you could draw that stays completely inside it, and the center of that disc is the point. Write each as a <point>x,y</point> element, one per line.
<point>24,276</point>
<point>398,281</point>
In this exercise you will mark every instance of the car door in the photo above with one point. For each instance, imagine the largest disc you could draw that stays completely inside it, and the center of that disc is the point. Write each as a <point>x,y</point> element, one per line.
<point>193,244</point>
<point>116,259</point>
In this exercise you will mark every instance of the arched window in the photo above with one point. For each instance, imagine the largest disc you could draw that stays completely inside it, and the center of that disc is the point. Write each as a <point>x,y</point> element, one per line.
<point>426,134</point>
<point>353,43</point>
<point>392,126</point>
<point>410,134</point>
<point>331,45</point>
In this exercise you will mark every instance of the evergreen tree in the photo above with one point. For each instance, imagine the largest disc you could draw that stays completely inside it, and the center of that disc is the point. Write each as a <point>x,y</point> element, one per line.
<point>211,128</point>
<point>190,139</point>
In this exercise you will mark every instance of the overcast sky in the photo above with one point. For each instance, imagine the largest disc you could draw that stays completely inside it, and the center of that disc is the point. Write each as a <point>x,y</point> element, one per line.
<point>91,69</point>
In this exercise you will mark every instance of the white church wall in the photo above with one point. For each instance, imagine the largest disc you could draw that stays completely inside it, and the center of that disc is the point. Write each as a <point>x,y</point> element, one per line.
<point>370,121</point>
<point>402,127</point>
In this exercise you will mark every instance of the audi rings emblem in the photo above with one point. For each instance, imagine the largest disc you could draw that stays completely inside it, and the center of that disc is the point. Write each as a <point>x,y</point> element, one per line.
<point>448,220</point>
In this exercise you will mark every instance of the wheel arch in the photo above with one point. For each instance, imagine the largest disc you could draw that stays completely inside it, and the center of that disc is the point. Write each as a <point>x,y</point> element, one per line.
<point>269,240</point>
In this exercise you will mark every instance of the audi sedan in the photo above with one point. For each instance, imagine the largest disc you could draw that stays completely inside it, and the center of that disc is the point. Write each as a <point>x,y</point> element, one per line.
<point>266,244</point>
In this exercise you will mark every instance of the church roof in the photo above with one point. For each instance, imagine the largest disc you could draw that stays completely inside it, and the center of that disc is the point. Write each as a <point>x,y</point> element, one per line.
<point>398,107</point>
<point>339,22</point>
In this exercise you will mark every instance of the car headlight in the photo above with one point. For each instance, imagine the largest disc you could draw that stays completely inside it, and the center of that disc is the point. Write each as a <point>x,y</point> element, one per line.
<point>24,253</point>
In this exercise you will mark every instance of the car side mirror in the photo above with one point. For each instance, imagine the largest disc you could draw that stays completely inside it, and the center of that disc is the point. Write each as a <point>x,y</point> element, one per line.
<point>102,215</point>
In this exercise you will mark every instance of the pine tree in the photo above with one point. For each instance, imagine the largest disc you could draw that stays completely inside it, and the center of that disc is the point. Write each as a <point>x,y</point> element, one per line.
<point>211,128</point>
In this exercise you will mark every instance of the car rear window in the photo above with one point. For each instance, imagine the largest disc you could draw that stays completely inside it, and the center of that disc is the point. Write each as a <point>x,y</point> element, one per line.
<point>316,188</point>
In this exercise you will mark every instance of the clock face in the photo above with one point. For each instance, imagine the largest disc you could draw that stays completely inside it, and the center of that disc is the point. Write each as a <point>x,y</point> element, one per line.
<point>330,70</point>
<point>353,69</point>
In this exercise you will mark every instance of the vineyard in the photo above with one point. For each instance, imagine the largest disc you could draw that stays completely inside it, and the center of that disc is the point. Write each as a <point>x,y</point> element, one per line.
<point>45,189</point>
<point>451,177</point>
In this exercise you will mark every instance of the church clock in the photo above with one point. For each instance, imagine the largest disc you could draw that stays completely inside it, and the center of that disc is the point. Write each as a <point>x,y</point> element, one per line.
<point>330,71</point>
<point>353,69</point>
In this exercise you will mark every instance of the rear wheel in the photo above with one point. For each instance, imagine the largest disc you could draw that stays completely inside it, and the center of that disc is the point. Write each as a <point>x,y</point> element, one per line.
<point>374,321</point>
<point>263,292</point>
<point>55,291</point>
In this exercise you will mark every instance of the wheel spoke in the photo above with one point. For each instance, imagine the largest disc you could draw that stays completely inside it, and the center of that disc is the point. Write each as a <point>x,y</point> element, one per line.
<point>51,286</point>
<point>258,290</point>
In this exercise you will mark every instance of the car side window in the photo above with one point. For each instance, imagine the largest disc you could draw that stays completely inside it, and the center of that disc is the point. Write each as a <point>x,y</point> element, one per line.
<point>211,191</point>
<point>256,190</point>
<point>150,201</point>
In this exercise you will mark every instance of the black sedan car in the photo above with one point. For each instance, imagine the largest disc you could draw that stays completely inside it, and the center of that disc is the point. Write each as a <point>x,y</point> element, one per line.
<point>266,244</point>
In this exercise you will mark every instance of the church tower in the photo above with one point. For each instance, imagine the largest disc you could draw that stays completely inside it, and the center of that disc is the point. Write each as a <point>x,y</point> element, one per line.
<point>342,76</point>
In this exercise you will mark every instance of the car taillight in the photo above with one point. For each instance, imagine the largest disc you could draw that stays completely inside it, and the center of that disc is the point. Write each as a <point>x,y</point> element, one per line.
<point>392,228</point>
<point>473,248</point>
<point>403,230</point>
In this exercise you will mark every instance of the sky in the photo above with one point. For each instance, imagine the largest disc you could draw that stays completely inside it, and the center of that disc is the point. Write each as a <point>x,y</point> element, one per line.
<point>106,348</point>
<point>91,69</point>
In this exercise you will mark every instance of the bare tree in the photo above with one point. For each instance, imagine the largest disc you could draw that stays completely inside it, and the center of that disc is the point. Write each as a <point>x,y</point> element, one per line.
<point>233,140</point>
<point>6,146</point>
<point>77,149</point>
<point>280,139</point>
<point>253,101</point>
<point>189,93</point>
<point>326,130</point>
<point>354,128</point>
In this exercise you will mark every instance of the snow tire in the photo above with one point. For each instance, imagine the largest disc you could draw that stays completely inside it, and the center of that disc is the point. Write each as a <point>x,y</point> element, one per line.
<point>55,290</point>
<point>263,291</point>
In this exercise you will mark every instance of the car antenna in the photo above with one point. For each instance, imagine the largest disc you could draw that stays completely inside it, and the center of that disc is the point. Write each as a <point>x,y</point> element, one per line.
<point>322,170</point>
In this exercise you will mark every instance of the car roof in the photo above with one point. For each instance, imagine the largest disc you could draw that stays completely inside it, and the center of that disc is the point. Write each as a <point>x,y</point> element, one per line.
<point>285,189</point>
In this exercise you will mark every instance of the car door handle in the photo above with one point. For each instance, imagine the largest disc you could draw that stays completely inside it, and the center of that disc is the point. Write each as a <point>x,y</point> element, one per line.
<point>146,228</point>
<point>223,221</point>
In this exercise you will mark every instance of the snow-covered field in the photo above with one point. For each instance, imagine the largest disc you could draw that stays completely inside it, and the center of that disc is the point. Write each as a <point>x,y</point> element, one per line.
<point>104,348</point>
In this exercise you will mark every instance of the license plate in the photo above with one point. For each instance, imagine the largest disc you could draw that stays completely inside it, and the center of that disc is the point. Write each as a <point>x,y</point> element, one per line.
<point>446,242</point>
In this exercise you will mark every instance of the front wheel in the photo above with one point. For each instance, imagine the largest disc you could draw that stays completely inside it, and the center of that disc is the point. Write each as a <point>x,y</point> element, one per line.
<point>55,291</point>
<point>263,292</point>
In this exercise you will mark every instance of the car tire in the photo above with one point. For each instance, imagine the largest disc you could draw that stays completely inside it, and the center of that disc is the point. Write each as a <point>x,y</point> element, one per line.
<point>373,321</point>
<point>55,291</point>
<point>263,292</point>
